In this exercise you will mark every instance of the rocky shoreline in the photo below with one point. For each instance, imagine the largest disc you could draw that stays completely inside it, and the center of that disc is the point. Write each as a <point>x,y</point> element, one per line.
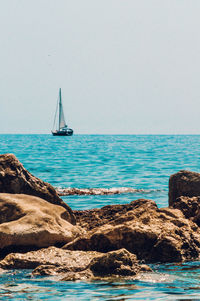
<point>39,231</point>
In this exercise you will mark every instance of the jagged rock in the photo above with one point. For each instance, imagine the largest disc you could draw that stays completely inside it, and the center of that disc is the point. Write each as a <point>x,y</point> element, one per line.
<point>152,234</point>
<point>94,218</point>
<point>120,262</point>
<point>31,222</point>
<point>115,264</point>
<point>14,178</point>
<point>190,206</point>
<point>76,265</point>
<point>183,183</point>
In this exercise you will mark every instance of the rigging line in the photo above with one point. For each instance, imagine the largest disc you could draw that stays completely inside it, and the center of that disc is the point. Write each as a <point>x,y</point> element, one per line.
<point>55,114</point>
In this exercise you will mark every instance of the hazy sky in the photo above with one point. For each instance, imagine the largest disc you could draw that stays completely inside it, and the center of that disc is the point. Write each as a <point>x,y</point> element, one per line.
<point>124,66</point>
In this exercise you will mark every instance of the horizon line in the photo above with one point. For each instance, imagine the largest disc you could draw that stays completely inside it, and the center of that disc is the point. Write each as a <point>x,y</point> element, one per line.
<point>109,134</point>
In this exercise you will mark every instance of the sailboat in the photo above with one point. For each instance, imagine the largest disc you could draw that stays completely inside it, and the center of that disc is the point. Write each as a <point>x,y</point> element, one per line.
<point>62,129</point>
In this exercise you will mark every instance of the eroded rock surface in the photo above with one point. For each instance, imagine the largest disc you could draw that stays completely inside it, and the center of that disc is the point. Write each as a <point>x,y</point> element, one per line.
<point>94,218</point>
<point>29,221</point>
<point>74,265</point>
<point>152,234</point>
<point>52,257</point>
<point>14,178</point>
<point>183,183</point>
<point>120,262</point>
<point>115,264</point>
<point>190,206</point>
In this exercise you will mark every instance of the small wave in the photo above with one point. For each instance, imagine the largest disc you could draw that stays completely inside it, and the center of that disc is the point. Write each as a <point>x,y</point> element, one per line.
<point>101,191</point>
<point>156,277</point>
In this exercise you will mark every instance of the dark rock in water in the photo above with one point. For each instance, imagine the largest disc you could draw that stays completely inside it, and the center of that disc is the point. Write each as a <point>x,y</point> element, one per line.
<point>190,206</point>
<point>76,265</point>
<point>183,183</point>
<point>152,234</point>
<point>120,262</point>
<point>14,178</point>
<point>31,222</point>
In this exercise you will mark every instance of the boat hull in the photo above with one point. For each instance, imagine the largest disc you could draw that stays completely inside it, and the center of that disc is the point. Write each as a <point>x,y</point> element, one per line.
<point>63,133</point>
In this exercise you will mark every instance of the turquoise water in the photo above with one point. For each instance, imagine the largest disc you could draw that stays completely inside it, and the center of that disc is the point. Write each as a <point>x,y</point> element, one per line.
<point>103,161</point>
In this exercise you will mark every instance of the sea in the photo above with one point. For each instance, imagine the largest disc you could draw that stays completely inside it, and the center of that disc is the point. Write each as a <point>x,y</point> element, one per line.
<point>142,163</point>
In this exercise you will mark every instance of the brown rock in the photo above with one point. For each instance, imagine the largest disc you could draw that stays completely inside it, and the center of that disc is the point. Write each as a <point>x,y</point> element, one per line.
<point>74,276</point>
<point>51,257</point>
<point>76,265</point>
<point>120,262</point>
<point>94,218</point>
<point>152,234</point>
<point>190,206</point>
<point>115,264</point>
<point>31,222</point>
<point>14,178</point>
<point>183,183</point>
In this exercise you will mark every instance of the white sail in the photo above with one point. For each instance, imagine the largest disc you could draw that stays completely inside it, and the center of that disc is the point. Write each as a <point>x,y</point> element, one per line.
<point>59,120</point>
<point>62,122</point>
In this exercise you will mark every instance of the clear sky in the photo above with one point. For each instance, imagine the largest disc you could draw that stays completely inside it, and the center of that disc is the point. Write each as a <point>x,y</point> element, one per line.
<point>124,66</point>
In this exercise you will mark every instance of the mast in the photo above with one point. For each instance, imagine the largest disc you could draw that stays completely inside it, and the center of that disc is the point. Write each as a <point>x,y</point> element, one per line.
<point>63,129</point>
<point>61,117</point>
<point>60,108</point>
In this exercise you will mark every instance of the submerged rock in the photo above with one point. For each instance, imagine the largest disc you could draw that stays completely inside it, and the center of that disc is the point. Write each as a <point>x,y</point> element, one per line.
<point>14,178</point>
<point>183,183</point>
<point>154,235</point>
<point>75,265</point>
<point>28,222</point>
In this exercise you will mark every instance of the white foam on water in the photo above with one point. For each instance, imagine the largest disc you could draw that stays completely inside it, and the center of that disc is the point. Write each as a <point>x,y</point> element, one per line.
<point>156,277</point>
<point>101,191</point>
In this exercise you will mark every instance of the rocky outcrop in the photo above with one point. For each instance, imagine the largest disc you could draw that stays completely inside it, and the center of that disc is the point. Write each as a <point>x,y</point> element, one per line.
<point>189,206</point>
<point>76,265</point>
<point>106,242</point>
<point>154,235</point>
<point>29,222</point>
<point>14,178</point>
<point>183,183</point>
